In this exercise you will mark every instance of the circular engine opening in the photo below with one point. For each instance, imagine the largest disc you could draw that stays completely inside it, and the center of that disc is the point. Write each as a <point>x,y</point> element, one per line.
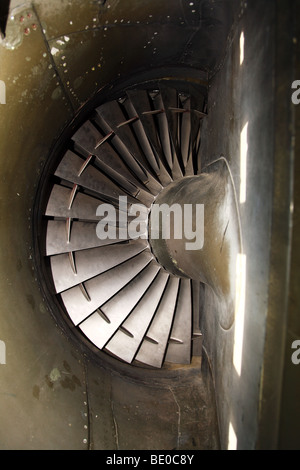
<point>96,266</point>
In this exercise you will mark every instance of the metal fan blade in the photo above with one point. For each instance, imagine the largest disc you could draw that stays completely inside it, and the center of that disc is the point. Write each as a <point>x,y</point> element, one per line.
<point>137,104</point>
<point>114,119</point>
<point>139,100</point>
<point>197,295</point>
<point>108,161</point>
<point>92,179</point>
<point>101,288</point>
<point>124,345</point>
<point>83,235</point>
<point>88,263</point>
<point>185,133</point>
<point>100,328</point>
<point>163,130</point>
<point>165,138</point>
<point>61,204</point>
<point>154,345</point>
<point>179,348</point>
<point>170,103</point>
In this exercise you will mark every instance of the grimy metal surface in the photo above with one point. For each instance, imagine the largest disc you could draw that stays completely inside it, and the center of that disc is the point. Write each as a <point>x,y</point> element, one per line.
<point>54,58</point>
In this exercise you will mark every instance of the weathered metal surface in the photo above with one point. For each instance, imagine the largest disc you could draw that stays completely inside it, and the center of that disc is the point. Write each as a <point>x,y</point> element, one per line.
<point>50,67</point>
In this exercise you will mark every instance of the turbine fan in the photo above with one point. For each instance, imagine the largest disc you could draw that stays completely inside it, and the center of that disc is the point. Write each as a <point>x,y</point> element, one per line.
<point>114,289</point>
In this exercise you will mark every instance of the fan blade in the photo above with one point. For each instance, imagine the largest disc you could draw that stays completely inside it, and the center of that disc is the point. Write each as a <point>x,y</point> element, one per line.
<point>197,295</point>
<point>147,131</point>
<point>179,349</point>
<point>101,288</point>
<point>90,263</point>
<point>153,347</point>
<point>109,162</point>
<point>99,329</point>
<point>83,236</point>
<point>69,170</point>
<point>125,346</point>
<point>112,118</point>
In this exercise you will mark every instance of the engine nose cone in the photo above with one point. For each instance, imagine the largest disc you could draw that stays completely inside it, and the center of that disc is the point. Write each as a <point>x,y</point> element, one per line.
<point>195,232</point>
